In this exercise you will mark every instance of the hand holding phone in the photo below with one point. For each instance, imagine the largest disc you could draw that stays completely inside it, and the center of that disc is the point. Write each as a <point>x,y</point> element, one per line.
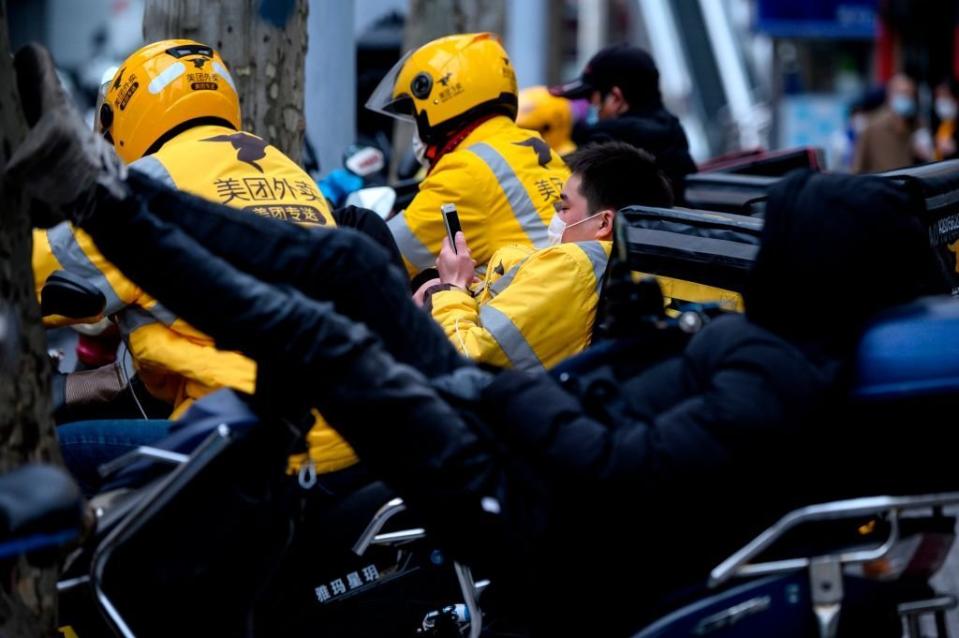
<point>451,220</point>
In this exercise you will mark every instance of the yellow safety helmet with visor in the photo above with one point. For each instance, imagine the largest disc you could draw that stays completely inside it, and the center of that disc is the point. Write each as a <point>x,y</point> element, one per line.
<point>447,83</point>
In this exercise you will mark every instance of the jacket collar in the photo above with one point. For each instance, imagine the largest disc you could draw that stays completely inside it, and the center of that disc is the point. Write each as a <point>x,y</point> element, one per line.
<point>478,130</point>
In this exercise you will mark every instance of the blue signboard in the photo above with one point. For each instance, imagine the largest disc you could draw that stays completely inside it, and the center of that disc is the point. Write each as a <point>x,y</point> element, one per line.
<point>835,19</point>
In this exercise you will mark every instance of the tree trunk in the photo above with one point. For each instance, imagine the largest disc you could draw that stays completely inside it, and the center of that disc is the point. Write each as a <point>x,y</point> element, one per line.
<point>267,63</point>
<point>431,19</point>
<point>27,595</point>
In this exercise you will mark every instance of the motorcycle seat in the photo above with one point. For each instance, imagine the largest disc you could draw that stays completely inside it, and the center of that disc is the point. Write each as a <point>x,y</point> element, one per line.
<point>911,351</point>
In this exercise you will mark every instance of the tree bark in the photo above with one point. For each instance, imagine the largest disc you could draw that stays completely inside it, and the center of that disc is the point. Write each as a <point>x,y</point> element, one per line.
<point>267,63</point>
<point>431,19</point>
<point>27,594</point>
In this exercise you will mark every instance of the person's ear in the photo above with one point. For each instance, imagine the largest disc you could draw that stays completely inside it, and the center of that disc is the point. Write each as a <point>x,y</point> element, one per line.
<point>620,103</point>
<point>604,230</point>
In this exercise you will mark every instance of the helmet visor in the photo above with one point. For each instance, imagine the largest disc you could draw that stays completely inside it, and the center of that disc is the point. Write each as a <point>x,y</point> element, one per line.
<point>102,124</point>
<point>382,99</point>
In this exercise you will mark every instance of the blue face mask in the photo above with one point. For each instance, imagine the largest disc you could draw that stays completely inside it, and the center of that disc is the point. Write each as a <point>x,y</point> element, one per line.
<point>903,105</point>
<point>592,115</point>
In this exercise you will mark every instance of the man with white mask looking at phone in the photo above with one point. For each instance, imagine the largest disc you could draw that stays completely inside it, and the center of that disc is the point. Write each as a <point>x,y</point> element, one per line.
<point>536,307</point>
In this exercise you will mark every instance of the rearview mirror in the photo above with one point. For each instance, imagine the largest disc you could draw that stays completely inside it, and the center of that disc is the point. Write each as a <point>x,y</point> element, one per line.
<point>71,296</point>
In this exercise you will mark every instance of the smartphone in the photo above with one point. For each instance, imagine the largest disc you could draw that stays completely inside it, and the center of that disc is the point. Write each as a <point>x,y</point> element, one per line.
<point>452,221</point>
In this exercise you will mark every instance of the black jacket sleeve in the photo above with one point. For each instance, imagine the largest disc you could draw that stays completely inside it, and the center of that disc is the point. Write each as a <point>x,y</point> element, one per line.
<point>728,394</point>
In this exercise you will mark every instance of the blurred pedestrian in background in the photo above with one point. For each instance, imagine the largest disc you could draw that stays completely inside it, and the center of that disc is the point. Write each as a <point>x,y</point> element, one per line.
<point>622,84</point>
<point>947,142</point>
<point>889,140</point>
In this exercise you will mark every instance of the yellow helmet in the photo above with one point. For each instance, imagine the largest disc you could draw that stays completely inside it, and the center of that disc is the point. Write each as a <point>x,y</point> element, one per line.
<point>550,116</point>
<point>160,91</point>
<point>447,83</point>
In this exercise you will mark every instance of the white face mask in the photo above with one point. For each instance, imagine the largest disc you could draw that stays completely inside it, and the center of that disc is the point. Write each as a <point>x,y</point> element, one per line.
<point>903,105</point>
<point>946,108</point>
<point>557,227</point>
<point>419,150</point>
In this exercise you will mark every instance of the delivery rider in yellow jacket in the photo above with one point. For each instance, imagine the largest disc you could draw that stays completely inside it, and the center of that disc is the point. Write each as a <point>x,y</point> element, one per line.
<point>172,111</point>
<point>535,307</point>
<point>460,92</point>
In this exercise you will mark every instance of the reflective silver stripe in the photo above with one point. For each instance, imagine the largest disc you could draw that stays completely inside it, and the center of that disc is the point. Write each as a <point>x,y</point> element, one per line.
<point>163,315</point>
<point>412,248</point>
<point>133,318</point>
<point>503,282</point>
<point>219,68</point>
<point>509,338</point>
<point>597,256</point>
<point>63,244</point>
<point>163,79</point>
<point>152,167</point>
<point>523,209</point>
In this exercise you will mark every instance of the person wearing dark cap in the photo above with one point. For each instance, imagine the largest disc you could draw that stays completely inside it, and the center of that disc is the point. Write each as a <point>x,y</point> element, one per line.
<point>622,84</point>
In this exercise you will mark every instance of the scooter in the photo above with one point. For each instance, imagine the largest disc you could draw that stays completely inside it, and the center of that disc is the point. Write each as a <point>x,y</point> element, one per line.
<point>872,575</point>
<point>865,589</point>
<point>165,522</point>
<point>879,576</point>
<point>883,572</point>
<point>169,516</point>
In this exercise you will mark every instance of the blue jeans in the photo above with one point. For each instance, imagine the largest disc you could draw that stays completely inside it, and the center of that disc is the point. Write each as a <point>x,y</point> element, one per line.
<point>86,445</point>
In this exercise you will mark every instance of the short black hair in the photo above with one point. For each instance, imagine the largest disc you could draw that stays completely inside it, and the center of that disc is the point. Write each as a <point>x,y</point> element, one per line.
<point>616,174</point>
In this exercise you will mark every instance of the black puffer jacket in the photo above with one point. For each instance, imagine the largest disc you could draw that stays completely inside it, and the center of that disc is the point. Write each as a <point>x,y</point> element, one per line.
<point>702,451</point>
<point>694,461</point>
<point>653,129</point>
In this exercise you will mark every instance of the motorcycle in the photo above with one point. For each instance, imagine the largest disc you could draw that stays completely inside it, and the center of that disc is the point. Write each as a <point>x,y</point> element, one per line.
<point>880,576</point>
<point>870,577</point>
<point>175,519</point>
<point>167,542</point>
<point>854,567</point>
<point>128,568</point>
<point>864,589</point>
